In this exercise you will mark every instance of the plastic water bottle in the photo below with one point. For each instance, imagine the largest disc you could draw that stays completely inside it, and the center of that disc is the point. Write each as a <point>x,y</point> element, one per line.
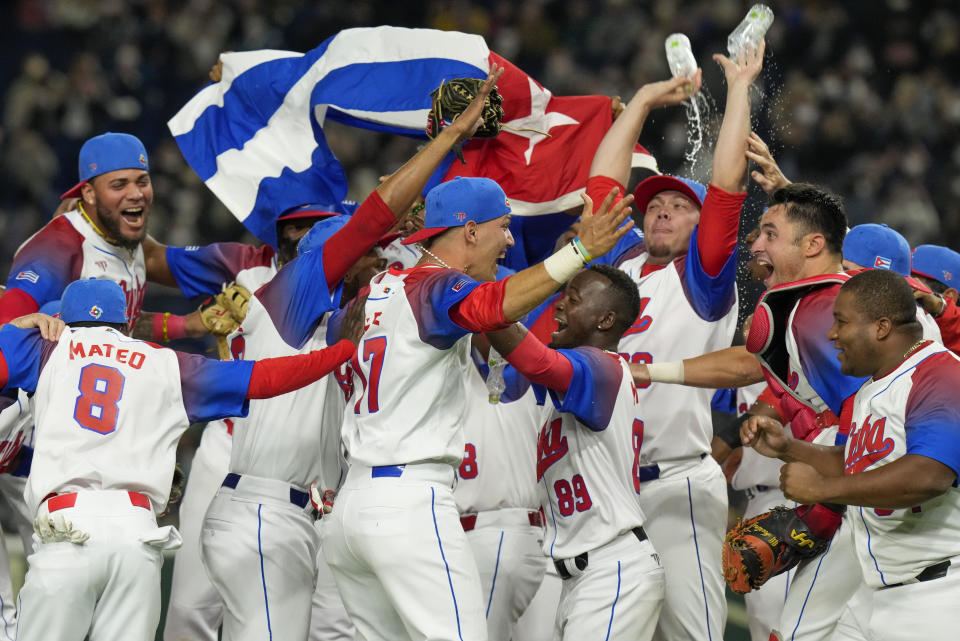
<point>750,32</point>
<point>679,56</point>
<point>495,383</point>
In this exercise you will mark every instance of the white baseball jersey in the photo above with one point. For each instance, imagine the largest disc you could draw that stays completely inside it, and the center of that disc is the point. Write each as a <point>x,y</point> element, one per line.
<point>398,255</point>
<point>69,249</point>
<point>911,410</point>
<point>683,313</point>
<point>281,438</point>
<point>16,426</point>
<point>588,450</point>
<point>497,470</point>
<point>411,370</point>
<point>755,469</point>
<point>110,409</point>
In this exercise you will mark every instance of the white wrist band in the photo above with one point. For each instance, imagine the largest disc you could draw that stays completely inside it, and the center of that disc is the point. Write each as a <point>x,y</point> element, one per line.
<point>564,264</point>
<point>671,372</point>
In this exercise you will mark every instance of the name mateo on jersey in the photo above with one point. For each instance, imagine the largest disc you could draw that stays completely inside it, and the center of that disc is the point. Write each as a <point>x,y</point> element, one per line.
<point>867,445</point>
<point>125,356</point>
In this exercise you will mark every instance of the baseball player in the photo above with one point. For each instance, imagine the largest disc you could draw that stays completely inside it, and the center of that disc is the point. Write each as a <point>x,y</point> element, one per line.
<point>899,466</point>
<point>497,498</point>
<point>260,549</point>
<point>587,460</point>
<point>686,271</point>
<point>195,609</point>
<point>397,495</point>
<point>104,457</point>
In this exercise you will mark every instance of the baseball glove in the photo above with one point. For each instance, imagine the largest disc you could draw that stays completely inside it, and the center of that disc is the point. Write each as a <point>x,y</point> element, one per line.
<point>767,545</point>
<point>222,314</point>
<point>450,100</point>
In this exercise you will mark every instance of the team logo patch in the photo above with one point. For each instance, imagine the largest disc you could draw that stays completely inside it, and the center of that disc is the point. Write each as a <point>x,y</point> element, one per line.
<point>92,166</point>
<point>102,264</point>
<point>29,275</point>
<point>460,284</point>
<point>882,263</point>
<point>506,201</point>
<point>460,216</point>
<point>96,312</point>
<point>947,276</point>
<point>143,160</point>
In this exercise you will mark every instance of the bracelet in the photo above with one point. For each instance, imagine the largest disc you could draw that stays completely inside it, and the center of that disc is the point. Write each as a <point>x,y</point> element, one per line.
<point>943,306</point>
<point>584,254</point>
<point>166,317</point>
<point>564,264</point>
<point>670,372</point>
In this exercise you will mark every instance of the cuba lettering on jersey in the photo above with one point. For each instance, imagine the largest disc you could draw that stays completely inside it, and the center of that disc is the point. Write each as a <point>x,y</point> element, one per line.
<point>755,468</point>
<point>911,410</point>
<point>69,249</point>
<point>202,271</point>
<point>409,370</point>
<point>281,438</point>
<point>683,313</point>
<point>497,470</point>
<point>587,453</point>
<point>110,409</point>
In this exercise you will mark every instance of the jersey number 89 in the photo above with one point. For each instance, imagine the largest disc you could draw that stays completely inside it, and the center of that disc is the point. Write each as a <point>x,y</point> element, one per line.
<point>101,388</point>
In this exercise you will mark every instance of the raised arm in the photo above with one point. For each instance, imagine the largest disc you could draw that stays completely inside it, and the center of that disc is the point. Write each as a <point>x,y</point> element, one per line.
<point>729,157</point>
<point>613,155</point>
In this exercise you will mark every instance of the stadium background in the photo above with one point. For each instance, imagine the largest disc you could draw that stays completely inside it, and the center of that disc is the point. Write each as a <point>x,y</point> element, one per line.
<point>861,96</point>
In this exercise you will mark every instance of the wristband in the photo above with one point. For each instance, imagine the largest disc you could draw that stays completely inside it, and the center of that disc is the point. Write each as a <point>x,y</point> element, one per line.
<point>171,327</point>
<point>564,264</point>
<point>584,254</point>
<point>671,372</point>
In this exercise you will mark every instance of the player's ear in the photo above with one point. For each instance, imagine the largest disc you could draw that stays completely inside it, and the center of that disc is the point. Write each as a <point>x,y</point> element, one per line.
<point>814,244</point>
<point>608,320</point>
<point>87,193</point>
<point>882,328</point>
<point>952,294</point>
<point>470,232</point>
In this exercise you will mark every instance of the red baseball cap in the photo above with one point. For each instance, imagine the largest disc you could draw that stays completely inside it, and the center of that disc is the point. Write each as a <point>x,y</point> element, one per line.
<point>653,185</point>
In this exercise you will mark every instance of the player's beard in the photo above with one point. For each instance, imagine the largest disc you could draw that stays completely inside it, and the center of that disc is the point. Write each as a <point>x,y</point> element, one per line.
<point>111,227</point>
<point>286,249</point>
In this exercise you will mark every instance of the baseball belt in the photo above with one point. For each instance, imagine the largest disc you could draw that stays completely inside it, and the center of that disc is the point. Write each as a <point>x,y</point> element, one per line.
<point>63,501</point>
<point>756,490</point>
<point>652,472</point>
<point>532,518</point>
<point>297,497</point>
<point>569,568</point>
<point>931,572</point>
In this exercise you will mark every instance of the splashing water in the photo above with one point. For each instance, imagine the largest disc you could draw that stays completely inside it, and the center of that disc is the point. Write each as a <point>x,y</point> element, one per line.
<point>701,137</point>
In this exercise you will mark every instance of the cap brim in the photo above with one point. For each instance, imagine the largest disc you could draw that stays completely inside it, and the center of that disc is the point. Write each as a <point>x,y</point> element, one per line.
<point>310,213</point>
<point>917,285</point>
<point>423,234</point>
<point>73,192</point>
<point>653,185</point>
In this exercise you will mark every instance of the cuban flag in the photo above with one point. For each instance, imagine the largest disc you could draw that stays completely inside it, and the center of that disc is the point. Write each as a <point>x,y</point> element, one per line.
<point>256,137</point>
<point>882,263</point>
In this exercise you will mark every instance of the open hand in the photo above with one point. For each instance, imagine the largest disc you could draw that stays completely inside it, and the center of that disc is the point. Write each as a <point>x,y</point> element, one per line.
<point>50,328</point>
<point>746,69</point>
<point>770,178</point>
<point>669,92</point>
<point>472,117</point>
<point>600,231</point>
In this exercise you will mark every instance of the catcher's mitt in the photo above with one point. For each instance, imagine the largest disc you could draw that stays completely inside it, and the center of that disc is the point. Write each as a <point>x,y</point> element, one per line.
<point>767,545</point>
<point>453,97</point>
<point>222,314</point>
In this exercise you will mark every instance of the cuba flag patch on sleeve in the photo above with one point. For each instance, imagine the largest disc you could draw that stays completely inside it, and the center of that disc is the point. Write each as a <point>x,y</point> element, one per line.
<point>28,275</point>
<point>460,284</point>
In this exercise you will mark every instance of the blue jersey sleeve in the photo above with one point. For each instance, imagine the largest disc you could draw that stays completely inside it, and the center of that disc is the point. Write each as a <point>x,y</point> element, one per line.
<point>213,389</point>
<point>22,349</point>
<point>48,262</point>
<point>818,356</point>
<point>298,296</point>
<point>932,420</point>
<point>202,271</point>
<point>593,389</point>
<point>431,298</point>
<point>710,296</point>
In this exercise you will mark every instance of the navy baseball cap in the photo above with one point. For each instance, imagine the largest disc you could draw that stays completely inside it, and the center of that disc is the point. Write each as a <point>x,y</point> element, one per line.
<point>320,233</point>
<point>877,247</point>
<point>458,201</point>
<point>653,185</point>
<point>93,299</point>
<point>108,152</point>
<point>939,263</point>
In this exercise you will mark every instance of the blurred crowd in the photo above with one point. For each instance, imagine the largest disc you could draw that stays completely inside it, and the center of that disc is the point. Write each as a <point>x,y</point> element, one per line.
<point>861,96</point>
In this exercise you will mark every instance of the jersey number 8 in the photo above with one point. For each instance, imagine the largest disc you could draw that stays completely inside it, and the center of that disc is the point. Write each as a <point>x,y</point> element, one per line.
<point>101,388</point>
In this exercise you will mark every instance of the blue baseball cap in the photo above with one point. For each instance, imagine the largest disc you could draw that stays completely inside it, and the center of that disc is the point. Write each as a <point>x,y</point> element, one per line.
<point>93,299</point>
<point>314,210</point>
<point>458,201</point>
<point>108,152</point>
<point>320,233</point>
<point>877,247</point>
<point>650,187</point>
<point>939,263</point>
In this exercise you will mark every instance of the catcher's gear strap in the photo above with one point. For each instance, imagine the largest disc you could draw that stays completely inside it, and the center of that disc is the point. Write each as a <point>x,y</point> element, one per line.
<point>767,338</point>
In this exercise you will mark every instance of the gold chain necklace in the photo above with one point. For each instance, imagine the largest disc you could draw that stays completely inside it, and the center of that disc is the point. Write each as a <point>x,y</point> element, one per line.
<point>102,235</point>
<point>913,348</point>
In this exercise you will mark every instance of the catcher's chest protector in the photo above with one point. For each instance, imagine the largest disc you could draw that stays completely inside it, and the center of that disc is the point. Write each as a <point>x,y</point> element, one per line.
<point>771,322</point>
